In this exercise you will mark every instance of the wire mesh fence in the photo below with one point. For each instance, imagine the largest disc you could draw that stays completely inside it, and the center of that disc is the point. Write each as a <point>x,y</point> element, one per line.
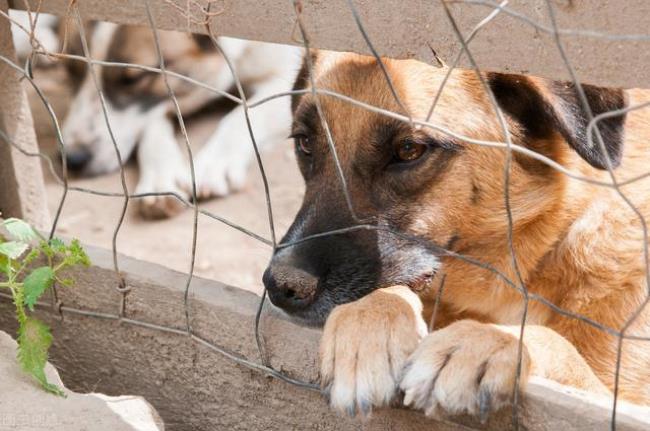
<point>196,13</point>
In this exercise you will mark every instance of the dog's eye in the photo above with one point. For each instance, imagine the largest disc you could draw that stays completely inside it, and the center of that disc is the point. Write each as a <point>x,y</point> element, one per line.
<point>408,151</point>
<point>131,77</point>
<point>302,144</point>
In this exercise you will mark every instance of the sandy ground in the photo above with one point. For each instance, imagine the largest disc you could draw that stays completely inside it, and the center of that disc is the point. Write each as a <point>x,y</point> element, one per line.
<point>223,253</point>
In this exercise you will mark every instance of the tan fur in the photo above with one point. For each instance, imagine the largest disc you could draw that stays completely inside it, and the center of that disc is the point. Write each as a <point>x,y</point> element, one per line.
<point>472,366</point>
<point>578,245</point>
<point>365,345</point>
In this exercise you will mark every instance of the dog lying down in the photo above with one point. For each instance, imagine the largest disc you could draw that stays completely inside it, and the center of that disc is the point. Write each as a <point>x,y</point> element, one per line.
<point>141,112</point>
<point>578,246</point>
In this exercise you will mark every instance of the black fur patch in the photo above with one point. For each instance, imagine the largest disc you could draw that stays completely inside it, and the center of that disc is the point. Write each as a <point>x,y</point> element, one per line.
<point>476,193</point>
<point>600,100</point>
<point>451,242</point>
<point>204,42</point>
<point>561,111</point>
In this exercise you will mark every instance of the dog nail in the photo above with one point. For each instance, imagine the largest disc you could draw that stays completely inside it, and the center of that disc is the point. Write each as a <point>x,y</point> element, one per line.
<point>408,397</point>
<point>364,408</point>
<point>432,410</point>
<point>405,370</point>
<point>326,391</point>
<point>484,404</point>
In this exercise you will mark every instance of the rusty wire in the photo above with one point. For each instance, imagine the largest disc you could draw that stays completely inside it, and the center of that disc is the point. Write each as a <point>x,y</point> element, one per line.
<point>495,8</point>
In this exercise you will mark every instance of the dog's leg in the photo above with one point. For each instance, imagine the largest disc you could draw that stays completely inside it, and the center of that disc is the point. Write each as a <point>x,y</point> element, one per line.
<point>555,358</point>
<point>222,164</point>
<point>365,345</point>
<point>162,168</point>
<point>470,367</point>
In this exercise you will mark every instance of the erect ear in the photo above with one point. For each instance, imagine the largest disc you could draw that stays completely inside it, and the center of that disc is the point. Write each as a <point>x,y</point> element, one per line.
<point>204,42</point>
<point>70,36</point>
<point>546,108</point>
<point>302,79</point>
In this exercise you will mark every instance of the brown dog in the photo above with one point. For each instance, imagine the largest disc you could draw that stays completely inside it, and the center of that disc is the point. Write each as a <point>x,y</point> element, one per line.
<point>578,245</point>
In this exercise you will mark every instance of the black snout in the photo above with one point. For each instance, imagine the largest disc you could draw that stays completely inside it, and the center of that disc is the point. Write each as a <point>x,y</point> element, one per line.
<point>290,288</point>
<point>78,159</point>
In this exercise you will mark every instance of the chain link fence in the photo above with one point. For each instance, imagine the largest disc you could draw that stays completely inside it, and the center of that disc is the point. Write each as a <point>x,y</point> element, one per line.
<point>199,16</point>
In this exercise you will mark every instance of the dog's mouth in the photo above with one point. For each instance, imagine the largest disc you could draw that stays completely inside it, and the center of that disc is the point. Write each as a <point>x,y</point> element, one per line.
<point>315,315</point>
<point>422,282</point>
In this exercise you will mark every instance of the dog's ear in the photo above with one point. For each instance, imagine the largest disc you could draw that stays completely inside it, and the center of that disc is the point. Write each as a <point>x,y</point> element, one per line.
<point>204,42</point>
<point>302,79</point>
<point>546,108</point>
<point>70,36</point>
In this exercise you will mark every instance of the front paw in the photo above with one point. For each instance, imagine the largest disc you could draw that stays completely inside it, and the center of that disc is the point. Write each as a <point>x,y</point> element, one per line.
<point>162,190</point>
<point>467,367</point>
<point>219,170</point>
<point>365,345</point>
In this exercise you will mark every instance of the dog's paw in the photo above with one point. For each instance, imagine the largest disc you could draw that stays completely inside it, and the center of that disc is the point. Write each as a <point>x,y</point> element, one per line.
<point>365,345</point>
<point>163,205</point>
<point>219,170</point>
<point>467,367</point>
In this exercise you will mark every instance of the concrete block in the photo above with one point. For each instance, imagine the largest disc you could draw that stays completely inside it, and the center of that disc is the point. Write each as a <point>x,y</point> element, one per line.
<point>194,387</point>
<point>605,40</point>
<point>22,190</point>
<point>24,406</point>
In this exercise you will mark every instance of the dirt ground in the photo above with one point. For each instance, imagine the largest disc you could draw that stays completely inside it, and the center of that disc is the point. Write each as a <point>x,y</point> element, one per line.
<point>223,253</point>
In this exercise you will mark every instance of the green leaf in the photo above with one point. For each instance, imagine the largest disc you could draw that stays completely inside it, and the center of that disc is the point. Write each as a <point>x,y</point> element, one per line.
<point>37,282</point>
<point>13,249</point>
<point>76,255</point>
<point>34,340</point>
<point>19,229</point>
<point>31,256</point>
<point>57,245</point>
<point>5,267</point>
<point>79,253</point>
<point>45,247</point>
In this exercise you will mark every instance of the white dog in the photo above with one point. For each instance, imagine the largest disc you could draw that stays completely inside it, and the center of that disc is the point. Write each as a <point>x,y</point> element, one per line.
<point>141,112</point>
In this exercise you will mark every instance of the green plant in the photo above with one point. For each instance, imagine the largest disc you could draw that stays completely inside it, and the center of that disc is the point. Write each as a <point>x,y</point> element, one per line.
<point>20,247</point>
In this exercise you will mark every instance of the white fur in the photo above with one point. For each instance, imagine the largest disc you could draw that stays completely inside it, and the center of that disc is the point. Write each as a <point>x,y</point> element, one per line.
<point>85,125</point>
<point>43,32</point>
<point>162,165</point>
<point>222,164</point>
<point>416,304</point>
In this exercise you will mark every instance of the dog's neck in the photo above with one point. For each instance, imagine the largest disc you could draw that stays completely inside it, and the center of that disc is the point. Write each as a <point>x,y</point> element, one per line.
<point>545,265</point>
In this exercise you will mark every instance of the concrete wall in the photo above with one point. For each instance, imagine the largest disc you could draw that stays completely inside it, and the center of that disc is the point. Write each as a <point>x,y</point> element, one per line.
<point>410,29</point>
<point>196,388</point>
<point>22,192</point>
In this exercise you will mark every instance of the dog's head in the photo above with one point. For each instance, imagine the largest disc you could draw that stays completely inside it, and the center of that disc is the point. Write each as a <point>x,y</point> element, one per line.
<point>430,188</point>
<point>134,98</point>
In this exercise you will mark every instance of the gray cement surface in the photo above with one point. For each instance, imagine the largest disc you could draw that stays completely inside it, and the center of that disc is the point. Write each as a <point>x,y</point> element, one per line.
<point>24,406</point>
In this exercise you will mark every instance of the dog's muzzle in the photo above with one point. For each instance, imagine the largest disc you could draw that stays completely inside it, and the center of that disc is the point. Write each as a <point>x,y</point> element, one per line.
<point>291,288</point>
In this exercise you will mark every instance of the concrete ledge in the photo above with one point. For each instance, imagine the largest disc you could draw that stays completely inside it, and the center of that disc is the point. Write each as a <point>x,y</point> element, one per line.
<point>406,30</point>
<point>25,406</point>
<point>195,388</point>
<point>22,191</point>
